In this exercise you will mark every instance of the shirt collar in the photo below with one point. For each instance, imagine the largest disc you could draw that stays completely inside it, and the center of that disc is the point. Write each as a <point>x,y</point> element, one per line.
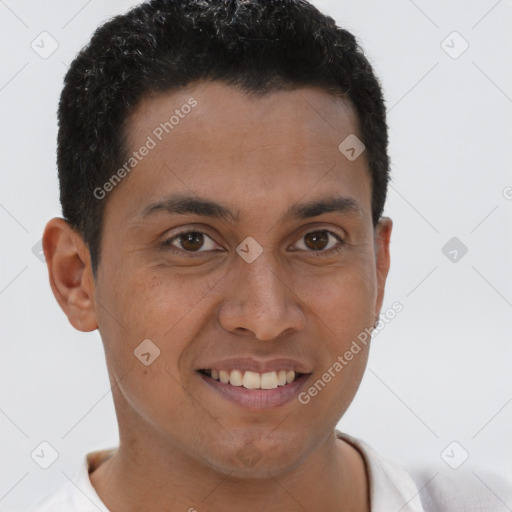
<point>392,488</point>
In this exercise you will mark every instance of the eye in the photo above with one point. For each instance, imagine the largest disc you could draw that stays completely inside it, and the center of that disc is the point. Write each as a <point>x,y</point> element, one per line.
<point>191,241</point>
<point>320,241</point>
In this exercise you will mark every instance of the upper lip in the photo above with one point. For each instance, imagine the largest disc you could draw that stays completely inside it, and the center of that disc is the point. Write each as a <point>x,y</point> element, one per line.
<point>257,365</point>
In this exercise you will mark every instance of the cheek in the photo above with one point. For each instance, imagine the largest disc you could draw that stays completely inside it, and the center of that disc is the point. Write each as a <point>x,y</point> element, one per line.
<point>166,310</point>
<point>341,307</point>
<point>152,304</point>
<point>343,301</point>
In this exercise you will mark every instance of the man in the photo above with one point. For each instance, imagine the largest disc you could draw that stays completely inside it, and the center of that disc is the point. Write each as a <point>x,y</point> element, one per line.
<point>223,169</point>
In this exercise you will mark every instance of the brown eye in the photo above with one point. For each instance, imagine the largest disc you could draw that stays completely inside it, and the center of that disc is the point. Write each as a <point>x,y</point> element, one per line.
<point>191,242</point>
<point>317,240</point>
<point>321,242</point>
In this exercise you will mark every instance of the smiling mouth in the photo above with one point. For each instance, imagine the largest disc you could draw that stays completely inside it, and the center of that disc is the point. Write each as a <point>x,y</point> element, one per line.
<point>253,380</point>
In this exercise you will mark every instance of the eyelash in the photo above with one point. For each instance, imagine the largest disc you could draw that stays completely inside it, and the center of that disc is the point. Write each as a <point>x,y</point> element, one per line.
<point>167,244</point>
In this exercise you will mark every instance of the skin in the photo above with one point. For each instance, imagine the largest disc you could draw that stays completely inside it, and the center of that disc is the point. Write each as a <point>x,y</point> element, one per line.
<point>179,439</point>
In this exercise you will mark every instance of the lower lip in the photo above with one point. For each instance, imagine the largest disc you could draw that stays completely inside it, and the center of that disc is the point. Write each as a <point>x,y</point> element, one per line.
<point>257,398</point>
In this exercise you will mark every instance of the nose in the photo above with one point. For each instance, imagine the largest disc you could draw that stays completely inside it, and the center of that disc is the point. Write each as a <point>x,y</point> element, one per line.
<point>260,301</point>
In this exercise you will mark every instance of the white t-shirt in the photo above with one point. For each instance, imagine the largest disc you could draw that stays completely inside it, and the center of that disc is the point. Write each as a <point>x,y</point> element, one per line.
<point>392,488</point>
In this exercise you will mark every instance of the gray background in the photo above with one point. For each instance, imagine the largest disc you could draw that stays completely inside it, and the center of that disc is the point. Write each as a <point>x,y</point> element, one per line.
<point>438,373</point>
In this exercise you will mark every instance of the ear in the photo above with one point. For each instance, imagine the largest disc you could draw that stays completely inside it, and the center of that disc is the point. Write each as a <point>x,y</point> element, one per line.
<point>69,268</point>
<point>382,259</point>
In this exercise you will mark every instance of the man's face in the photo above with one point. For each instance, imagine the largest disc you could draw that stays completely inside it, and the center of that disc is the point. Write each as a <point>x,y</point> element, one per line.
<point>273,167</point>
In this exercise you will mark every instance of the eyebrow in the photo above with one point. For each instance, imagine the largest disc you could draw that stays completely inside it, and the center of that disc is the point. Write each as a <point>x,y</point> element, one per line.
<point>178,204</point>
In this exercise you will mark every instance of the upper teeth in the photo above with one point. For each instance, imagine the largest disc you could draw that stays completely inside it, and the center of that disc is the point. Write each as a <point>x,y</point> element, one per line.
<point>254,380</point>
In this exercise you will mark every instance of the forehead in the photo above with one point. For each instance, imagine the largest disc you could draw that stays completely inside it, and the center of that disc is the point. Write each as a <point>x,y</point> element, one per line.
<point>212,140</point>
<point>220,110</point>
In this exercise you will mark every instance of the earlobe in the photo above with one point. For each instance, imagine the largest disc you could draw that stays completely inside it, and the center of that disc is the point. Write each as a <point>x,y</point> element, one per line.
<point>382,258</point>
<point>70,273</point>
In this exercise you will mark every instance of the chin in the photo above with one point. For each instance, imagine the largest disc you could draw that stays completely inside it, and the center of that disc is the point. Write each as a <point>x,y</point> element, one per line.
<point>257,454</point>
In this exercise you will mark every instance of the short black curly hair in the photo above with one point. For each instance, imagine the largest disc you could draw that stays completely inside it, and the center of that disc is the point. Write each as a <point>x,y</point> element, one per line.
<point>258,46</point>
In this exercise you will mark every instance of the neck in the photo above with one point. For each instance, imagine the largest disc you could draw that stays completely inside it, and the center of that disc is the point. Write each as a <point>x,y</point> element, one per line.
<point>142,475</point>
